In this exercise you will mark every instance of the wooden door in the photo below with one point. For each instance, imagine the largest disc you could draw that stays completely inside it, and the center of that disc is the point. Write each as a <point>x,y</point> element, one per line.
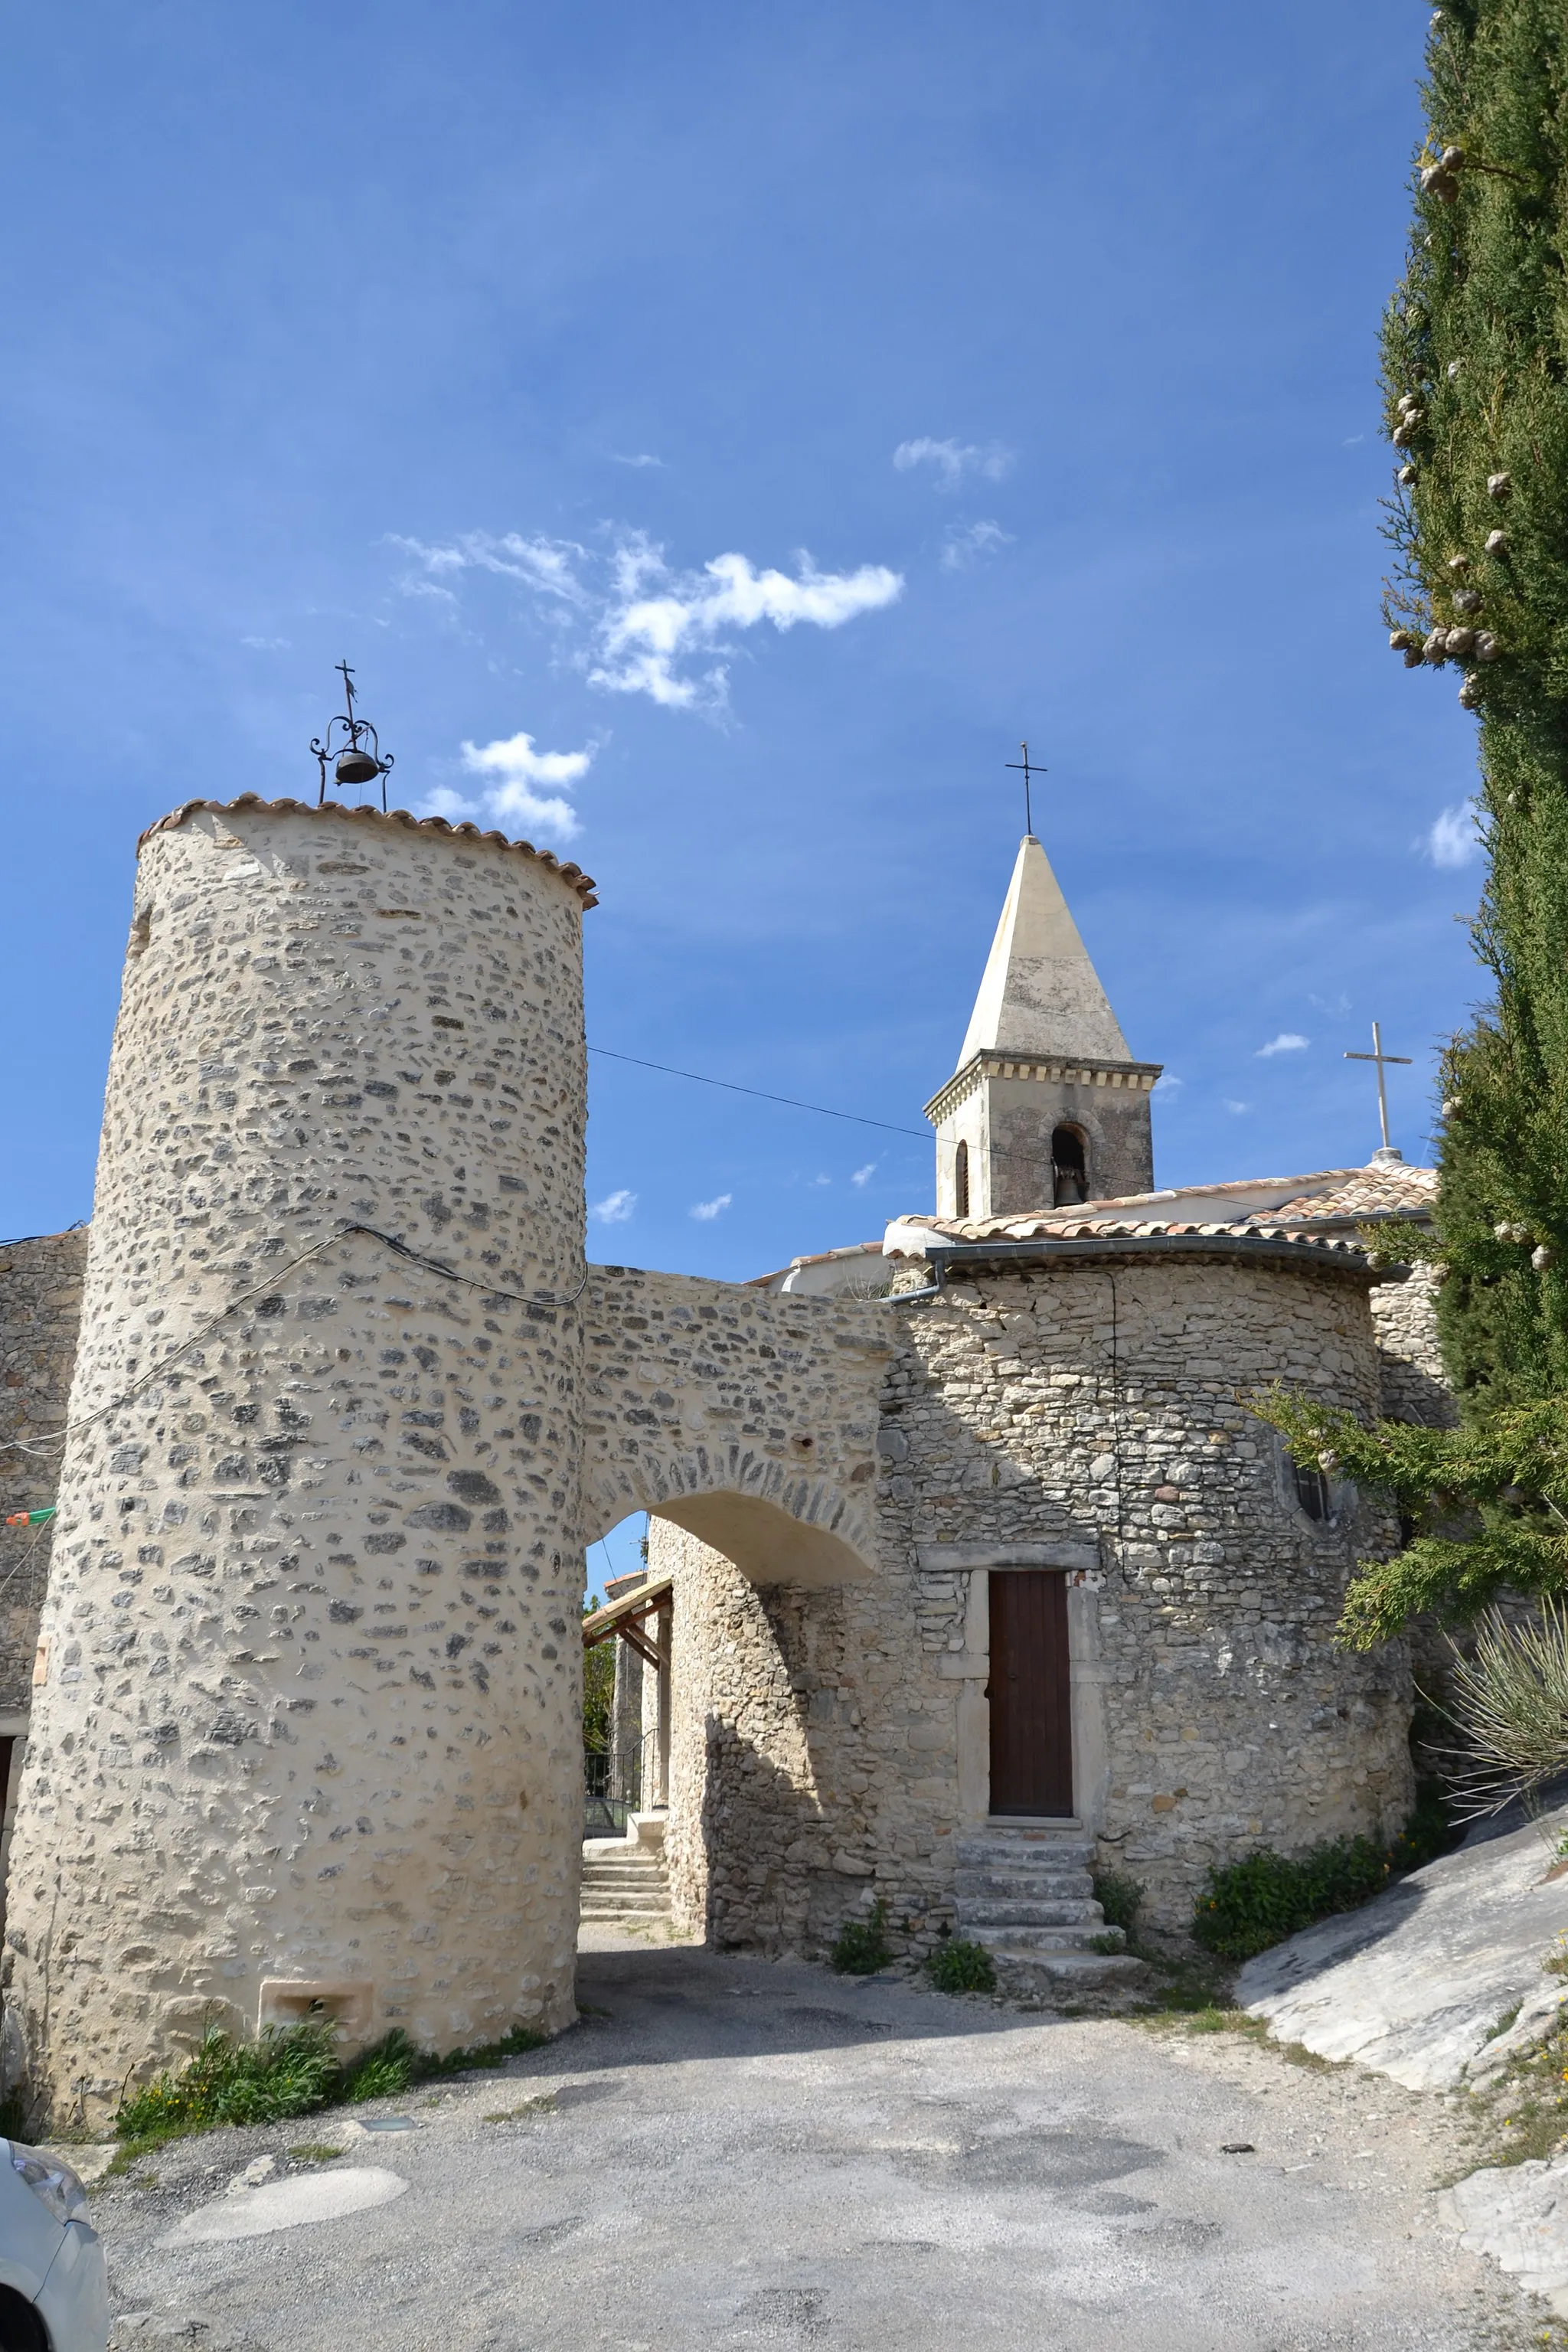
<point>1031,1692</point>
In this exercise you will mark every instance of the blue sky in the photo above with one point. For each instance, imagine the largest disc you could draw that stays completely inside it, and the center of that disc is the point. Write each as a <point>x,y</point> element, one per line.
<point>740,427</point>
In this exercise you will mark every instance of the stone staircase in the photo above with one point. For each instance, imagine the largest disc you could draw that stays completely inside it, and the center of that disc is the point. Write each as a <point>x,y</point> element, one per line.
<point>1023,1890</point>
<point>623,1879</point>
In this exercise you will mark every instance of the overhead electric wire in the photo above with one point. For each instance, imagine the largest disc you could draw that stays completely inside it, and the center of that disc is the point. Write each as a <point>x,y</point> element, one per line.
<point>790,1102</point>
<point>793,1102</point>
<point>157,1370</point>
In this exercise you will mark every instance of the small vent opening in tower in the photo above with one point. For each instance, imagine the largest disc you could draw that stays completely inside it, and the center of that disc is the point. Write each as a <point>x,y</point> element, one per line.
<point>1069,1169</point>
<point>1312,1491</point>
<point>961,1180</point>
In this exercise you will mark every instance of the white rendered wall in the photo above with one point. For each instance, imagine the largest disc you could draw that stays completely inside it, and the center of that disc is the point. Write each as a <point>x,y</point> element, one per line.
<point>306,1702</point>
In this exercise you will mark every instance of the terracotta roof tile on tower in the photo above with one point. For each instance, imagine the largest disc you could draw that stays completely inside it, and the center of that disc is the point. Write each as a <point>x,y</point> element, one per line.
<point>1292,1207</point>
<point>573,876</point>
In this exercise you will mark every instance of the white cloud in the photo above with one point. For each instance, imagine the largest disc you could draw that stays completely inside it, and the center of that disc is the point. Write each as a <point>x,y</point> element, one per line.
<point>708,1210</point>
<point>953,459</point>
<point>519,767</point>
<point>1167,1084</point>
<point>1335,1006</point>
<point>642,459</point>
<point>265,645</point>
<point>822,1180</point>
<point>1455,839</point>
<point>1240,1109</point>
<point>642,626</point>
<point>615,1208</point>
<point>863,1176</point>
<point>644,636</point>
<point>442,800</point>
<point>968,542</point>
<point>1287,1042</point>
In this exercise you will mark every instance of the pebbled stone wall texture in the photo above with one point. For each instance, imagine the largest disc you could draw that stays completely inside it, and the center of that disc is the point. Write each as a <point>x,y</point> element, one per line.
<point>1082,1414</point>
<point>813,1760</point>
<point>307,1707</point>
<point>749,1415</point>
<point>40,1310</point>
<point>1412,1384</point>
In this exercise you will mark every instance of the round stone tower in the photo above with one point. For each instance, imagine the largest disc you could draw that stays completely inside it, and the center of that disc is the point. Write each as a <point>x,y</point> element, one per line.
<point>306,1722</point>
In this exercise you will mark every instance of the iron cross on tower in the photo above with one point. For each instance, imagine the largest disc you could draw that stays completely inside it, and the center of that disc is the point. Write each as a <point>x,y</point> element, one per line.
<point>1022,767</point>
<point>1381,1059</point>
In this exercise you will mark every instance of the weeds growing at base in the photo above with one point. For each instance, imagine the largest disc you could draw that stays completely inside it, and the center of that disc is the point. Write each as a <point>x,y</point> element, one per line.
<point>291,2070</point>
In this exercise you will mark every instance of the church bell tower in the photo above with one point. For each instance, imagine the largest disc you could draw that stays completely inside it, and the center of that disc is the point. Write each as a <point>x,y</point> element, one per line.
<point>1046,1107</point>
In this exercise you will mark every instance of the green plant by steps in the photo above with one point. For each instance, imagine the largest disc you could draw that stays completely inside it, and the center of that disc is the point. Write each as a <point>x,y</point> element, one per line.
<point>1474,357</point>
<point>862,1947</point>
<point>598,1690</point>
<point>290,2070</point>
<point>1119,1896</point>
<point>957,1966</point>
<point>1258,1901</point>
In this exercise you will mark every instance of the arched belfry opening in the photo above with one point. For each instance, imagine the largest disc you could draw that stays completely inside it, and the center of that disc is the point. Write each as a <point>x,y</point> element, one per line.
<point>1069,1167</point>
<point>961,1180</point>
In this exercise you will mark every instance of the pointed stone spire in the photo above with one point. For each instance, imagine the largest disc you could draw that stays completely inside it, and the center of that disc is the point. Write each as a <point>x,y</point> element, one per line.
<point>1040,993</point>
<point>1046,1107</point>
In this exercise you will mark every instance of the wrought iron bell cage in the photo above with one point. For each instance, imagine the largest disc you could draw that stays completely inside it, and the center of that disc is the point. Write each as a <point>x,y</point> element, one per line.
<point>357,757</point>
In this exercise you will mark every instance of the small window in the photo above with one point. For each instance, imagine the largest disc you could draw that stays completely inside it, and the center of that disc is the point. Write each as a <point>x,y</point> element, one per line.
<point>1312,1492</point>
<point>1070,1169</point>
<point>961,1180</point>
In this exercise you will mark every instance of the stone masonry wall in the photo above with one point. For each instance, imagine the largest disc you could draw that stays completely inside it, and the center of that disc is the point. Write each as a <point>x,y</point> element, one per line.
<point>812,1762</point>
<point>751,1415</point>
<point>1088,1415</point>
<point>1414,1386</point>
<point>40,1310</point>
<point>308,1712</point>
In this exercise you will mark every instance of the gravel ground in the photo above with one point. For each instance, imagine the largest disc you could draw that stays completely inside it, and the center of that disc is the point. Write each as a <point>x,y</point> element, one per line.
<point>737,2153</point>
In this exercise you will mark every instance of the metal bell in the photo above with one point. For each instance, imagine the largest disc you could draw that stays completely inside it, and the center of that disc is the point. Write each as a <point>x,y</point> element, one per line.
<point>355,767</point>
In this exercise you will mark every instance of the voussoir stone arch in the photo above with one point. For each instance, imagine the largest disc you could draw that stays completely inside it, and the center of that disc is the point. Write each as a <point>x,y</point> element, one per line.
<point>746,1418</point>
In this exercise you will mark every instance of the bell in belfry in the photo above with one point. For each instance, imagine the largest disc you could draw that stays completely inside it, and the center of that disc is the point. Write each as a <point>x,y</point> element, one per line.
<point>356,767</point>
<point>358,758</point>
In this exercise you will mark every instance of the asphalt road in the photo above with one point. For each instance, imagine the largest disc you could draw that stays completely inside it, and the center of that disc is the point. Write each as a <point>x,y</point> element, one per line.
<point>736,2153</point>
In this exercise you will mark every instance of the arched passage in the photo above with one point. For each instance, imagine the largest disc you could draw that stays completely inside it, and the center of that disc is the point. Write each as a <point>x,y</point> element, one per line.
<point>746,1419</point>
<point>745,1424</point>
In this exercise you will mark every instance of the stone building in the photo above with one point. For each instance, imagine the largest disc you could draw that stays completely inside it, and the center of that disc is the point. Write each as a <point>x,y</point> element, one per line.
<point>1100,1629</point>
<point>968,1564</point>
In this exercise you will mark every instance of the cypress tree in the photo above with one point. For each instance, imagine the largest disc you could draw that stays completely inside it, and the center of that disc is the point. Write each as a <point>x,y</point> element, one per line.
<point>1475,358</point>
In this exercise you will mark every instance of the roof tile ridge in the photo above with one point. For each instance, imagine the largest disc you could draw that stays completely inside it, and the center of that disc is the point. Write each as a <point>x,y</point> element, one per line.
<point>581,884</point>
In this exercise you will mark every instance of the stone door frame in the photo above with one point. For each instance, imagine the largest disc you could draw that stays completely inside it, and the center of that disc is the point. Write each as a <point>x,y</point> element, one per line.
<point>975,1565</point>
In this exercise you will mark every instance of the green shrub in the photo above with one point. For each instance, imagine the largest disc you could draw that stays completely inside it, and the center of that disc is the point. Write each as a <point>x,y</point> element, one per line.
<point>862,1947</point>
<point>291,2070</point>
<point>1118,1897</point>
<point>959,1967</point>
<point>1250,1905</point>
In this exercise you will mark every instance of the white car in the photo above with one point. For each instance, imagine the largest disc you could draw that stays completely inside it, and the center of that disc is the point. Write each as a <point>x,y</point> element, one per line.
<point>54,2289</point>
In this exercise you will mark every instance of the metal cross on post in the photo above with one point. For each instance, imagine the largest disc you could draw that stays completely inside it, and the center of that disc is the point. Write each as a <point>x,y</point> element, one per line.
<point>1022,767</point>
<point>1381,1059</point>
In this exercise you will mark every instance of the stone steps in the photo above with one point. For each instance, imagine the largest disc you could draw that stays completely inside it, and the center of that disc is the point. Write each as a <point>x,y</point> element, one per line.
<point>1027,1893</point>
<point>624,1881</point>
<point>1032,1911</point>
<point>1007,1885</point>
<point>1041,1936</point>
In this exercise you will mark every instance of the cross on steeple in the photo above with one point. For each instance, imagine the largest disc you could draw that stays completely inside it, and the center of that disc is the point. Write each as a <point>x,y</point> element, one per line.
<point>1022,767</point>
<point>1381,1059</point>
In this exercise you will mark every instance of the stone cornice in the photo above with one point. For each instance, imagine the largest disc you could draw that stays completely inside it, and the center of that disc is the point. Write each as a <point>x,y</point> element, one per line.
<point>1053,1069</point>
<point>1304,1252</point>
